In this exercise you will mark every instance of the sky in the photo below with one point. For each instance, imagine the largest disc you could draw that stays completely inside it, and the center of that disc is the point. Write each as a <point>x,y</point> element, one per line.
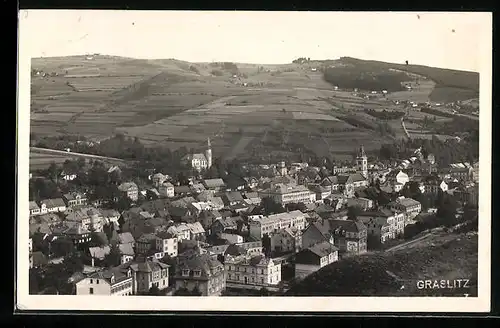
<point>447,40</point>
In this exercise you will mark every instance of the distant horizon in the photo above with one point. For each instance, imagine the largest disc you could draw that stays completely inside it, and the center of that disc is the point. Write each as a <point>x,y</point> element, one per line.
<point>248,63</point>
<point>449,40</point>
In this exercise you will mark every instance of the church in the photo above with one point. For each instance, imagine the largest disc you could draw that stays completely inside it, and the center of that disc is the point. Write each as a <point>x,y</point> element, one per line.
<point>200,161</point>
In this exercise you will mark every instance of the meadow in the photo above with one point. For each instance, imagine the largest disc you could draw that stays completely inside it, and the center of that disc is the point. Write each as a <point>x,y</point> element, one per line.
<point>244,109</point>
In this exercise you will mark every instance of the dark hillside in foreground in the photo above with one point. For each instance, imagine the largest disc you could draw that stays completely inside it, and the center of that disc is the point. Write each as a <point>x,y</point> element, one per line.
<point>367,275</point>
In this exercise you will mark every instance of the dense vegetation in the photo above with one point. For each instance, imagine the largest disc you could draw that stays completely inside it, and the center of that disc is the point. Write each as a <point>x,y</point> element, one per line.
<point>365,78</point>
<point>445,152</point>
<point>436,112</point>
<point>442,77</point>
<point>385,114</point>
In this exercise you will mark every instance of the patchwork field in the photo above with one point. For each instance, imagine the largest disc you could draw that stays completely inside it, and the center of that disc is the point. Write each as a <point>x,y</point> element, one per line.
<point>246,109</point>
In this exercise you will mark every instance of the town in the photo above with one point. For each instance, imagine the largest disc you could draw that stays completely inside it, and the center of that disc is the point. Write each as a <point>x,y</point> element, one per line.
<point>101,228</point>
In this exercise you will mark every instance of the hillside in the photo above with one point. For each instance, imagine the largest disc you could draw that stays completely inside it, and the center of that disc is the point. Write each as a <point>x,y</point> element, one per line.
<point>249,111</point>
<point>449,257</point>
<point>450,85</point>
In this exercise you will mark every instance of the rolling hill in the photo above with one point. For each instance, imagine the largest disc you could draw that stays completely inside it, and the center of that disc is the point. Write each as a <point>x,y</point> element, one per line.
<point>246,109</point>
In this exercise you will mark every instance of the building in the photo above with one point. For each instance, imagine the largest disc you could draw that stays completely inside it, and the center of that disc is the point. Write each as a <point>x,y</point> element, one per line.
<point>111,282</point>
<point>145,243</point>
<point>231,238</point>
<point>167,244</point>
<point>381,228</point>
<point>180,231</point>
<point>34,208</point>
<point>214,184</point>
<point>52,206</point>
<point>394,218</point>
<point>362,162</point>
<point>167,190</point>
<point>282,170</point>
<point>158,179</point>
<point>313,258</point>
<point>199,161</point>
<point>322,192</point>
<point>434,185</point>
<point>460,171</point>
<point>261,225</point>
<point>75,199</point>
<point>88,218</point>
<point>147,273</point>
<point>221,225</point>
<point>410,207</point>
<point>255,271</point>
<point>347,235</point>
<point>77,234</point>
<point>196,269</point>
<point>331,182</point>
<point>363,203</point>
<point>289,193</point>
<point>130,190</point>
<point>397,177</point>
<point>349,183</point>
<point>286,240</point>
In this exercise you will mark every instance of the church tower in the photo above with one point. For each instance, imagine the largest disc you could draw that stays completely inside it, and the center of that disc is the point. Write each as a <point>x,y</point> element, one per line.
<point>208,154</point>
<point>362,162</point>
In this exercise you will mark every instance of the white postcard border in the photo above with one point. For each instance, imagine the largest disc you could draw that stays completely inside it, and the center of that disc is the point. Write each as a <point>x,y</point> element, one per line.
<point>24,301</point>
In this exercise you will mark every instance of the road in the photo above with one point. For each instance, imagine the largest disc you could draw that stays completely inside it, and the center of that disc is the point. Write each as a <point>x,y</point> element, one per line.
<point>404,127</point>
<point>410,242</point>
<point>65,153</point>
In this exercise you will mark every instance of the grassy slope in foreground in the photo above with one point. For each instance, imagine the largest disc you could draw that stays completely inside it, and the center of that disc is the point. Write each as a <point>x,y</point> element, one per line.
<point>451,257</point>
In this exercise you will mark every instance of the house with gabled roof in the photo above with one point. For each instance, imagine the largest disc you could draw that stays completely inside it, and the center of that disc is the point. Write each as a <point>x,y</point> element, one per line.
<point>126,238</point>
<point>286,240</point>
<point>232,198</point>
<point>314,257</point>
<point>75,199</point>
<point>214,184</point>
<point>410,207</point>
<point>147,273</point>
<point>349,236</point>
<point>196,269</point>
<point>109,282</point>
<point>129,190</point>
<point>221,225</point>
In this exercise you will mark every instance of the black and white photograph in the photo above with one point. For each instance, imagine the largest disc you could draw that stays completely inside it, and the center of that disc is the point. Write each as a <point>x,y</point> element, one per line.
<point>254,161</point>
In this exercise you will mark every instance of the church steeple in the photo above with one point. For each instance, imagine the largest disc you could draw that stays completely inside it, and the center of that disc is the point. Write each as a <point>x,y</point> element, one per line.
<point>362,162</point>
<point>208,154</point>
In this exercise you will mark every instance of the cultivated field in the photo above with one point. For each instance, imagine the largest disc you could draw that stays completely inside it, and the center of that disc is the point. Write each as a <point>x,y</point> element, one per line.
<point>244,109</point>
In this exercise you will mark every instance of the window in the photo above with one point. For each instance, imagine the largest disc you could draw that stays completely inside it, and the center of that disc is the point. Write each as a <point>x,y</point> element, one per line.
<point>91,281</point>
<point>197,273</point>
<point>91,291</point>
<point>97,281</point>
<point>185,272</point>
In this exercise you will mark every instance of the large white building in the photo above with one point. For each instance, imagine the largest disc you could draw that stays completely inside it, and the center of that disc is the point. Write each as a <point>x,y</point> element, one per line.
<point>200,161</point>
<point>289,193</point>
<point>261,225</point>
<point>167,243</point>
<point>257,270</point>
<point>112,282</point>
